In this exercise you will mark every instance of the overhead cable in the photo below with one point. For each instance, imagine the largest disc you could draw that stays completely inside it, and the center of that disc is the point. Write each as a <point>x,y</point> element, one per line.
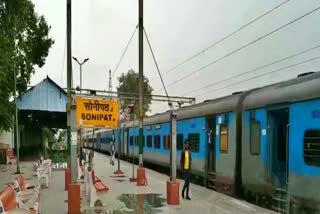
<point>244,46</point>
<point>64,57</point>
<point>280,69</point>
<point>155,62</point>
<point>115,70</point>
<point>226,37</point>
<point>253,70</point>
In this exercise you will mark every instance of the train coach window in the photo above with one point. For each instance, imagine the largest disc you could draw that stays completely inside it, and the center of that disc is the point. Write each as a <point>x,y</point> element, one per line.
<point>255,137</point>
<point>311,147</point>
<point>157,141</point>
<point>179,141</point>
<point>166,142</point>
<point>131,140</point>
<point>194,142</point>
<point>224,138</point>
<point>149,141</point>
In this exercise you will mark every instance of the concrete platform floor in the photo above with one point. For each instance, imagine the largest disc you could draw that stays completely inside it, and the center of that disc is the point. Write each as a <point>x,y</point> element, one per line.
<point>7,173</point>
<point>51,199</point>
<point>126,197</point>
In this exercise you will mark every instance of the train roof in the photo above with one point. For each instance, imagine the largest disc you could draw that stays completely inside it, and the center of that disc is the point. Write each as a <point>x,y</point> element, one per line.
<point>206,108</point>
<point>304,87</point>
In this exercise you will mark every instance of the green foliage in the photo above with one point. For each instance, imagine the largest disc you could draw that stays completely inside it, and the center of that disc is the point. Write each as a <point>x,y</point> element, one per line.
<point>49,134</point>
<point>58,156</point>
<point>24,44</point>
<point>130,83</point>
<point>62,134</point>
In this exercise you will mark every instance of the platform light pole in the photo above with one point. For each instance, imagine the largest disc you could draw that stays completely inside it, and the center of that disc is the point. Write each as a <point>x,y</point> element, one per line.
<point>80,132</point>
<point>80,64</point>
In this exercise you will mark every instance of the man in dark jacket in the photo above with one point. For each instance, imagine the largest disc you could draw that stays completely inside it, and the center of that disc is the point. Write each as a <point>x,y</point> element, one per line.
<point>185,166</point>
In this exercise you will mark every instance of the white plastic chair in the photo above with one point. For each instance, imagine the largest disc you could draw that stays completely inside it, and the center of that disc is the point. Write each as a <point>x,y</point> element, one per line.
<point>26,200</point>
<point>43,173</point>
<point>47,164</point>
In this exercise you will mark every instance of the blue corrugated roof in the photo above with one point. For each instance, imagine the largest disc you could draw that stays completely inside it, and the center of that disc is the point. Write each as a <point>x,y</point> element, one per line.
<point>45,96</point>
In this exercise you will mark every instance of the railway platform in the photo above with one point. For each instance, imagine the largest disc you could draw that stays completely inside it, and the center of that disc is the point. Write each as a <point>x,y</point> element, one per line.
<point>124,196</point>
<point>127,197</point>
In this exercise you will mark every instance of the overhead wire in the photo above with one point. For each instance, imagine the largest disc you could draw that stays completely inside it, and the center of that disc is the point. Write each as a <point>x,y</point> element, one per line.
<point>242,47</point>
<point>64,57</point>
<point>115,70</point>
<point>253,70</point>
<point>155,61</point>
<point>226,37</point>
<point>273,71</point>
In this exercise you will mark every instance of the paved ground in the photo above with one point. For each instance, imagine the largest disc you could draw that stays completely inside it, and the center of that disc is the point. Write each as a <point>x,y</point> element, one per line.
<point>52,199</point>
<point>7,173</point>
<point>126,197</point>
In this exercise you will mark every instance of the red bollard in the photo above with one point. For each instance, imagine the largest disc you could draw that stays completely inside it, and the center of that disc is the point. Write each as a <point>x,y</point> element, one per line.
<point>67,178</point>
<point>173,193</point>
<point>74,201</point>
<point>141,177</point>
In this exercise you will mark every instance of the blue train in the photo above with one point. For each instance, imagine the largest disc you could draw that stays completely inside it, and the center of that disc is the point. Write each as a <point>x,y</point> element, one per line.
<point>262,144</point>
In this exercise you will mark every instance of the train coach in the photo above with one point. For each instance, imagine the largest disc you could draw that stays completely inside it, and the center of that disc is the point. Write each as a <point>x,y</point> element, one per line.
<point>214,134</point>
<point>264,142</point>
<point>281,144</point>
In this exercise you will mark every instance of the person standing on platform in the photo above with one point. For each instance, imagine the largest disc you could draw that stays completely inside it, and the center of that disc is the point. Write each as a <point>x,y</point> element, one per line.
<point>185,166</point>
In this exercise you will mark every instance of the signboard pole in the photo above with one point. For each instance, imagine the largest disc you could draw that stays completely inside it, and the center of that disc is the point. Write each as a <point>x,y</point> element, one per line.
<point>74,142</point>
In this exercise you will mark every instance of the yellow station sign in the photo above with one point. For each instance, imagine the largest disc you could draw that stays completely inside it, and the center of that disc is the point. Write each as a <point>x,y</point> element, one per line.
<point>94,112</point>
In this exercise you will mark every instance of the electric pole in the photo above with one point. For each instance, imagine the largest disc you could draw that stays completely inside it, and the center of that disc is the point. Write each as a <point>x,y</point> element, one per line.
<point>69,68</point>
<point>71,105</point>
<point>141,111</point>
<point>110,85</point>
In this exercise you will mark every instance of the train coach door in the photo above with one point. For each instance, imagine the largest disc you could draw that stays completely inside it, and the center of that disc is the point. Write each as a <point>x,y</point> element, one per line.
<point>278,135</point>
<point>210,151</point>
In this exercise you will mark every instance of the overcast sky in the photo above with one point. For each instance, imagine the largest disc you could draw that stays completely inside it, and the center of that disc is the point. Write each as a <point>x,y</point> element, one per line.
<point>178,29</point>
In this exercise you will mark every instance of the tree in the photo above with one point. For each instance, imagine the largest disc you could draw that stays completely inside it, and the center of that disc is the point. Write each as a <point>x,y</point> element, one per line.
<point>24,44</point>
<point>130,83</point>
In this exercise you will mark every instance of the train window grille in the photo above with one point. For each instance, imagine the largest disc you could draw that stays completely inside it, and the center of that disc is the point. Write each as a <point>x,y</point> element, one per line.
<point>255,139</point>
<point>149,141</point>
<point>224,139</point>
<point>311,147</point>
<point>143,141</point>
<point>131,140</point>
<point>166,142</point>
<point>157,141</point>
<point>194,142</point>
<point>137,140</point>
<point>179,141</point>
